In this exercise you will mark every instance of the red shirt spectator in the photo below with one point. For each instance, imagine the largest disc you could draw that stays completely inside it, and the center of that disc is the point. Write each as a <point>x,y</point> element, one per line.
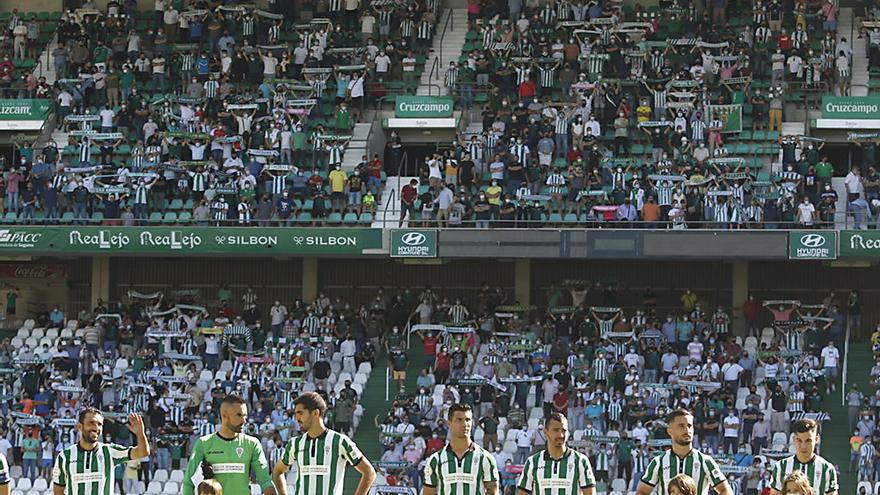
<point>527,90</point>
<point>751,309</point>
<point>409,194</point>
<point>443,359</point>
<point>430,343</point>
<point>785,42</point>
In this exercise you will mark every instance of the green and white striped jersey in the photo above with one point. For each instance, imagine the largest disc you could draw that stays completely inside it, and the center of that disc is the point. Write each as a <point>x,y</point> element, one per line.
<point>821,473</point>
<point>320,462</point>
<point>699,466</point>
<point>89,472</point>
<point>451,475</point>
<point>4,471</point>
<point>544,475</point>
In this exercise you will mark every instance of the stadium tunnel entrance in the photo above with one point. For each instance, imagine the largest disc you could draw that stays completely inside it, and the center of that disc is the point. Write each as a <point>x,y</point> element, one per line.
<point>623,283</point>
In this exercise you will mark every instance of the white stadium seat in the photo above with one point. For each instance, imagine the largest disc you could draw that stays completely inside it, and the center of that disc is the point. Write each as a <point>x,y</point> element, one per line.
<point>154,487</point>
<point>41,484</point>
<point>171,488</point>
<point>161,476</point>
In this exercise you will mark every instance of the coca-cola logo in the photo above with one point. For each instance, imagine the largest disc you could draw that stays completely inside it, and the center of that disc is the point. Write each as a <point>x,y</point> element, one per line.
<point>33,271</point>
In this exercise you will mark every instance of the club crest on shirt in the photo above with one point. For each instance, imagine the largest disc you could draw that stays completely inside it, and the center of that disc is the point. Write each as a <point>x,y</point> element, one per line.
<point>239,451</point>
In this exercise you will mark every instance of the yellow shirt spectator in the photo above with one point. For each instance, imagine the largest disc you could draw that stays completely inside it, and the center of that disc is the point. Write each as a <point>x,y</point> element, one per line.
<point>337,181</point>
<point>493,195</point>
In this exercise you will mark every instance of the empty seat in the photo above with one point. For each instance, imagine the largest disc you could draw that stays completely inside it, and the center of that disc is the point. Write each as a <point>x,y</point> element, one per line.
<point>161,476</point>
<point>40,484</point>
<point>171,487</point>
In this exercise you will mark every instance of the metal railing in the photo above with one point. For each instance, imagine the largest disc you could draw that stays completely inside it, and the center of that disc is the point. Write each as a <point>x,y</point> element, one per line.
<point>448,24</point>
<point>388,204</point>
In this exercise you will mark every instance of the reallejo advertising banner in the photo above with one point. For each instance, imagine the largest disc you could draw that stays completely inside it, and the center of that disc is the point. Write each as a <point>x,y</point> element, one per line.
<point>859,244</point>
<point>189,241</point>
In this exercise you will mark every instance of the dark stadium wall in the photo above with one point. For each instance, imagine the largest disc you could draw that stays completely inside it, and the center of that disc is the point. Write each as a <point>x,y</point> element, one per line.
<point>34,6</point>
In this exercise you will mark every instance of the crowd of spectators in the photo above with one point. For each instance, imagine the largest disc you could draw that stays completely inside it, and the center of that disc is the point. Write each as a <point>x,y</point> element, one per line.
<point>596,112</point>
<point>212,113</point>
<point>174,361</point>
<point>614,373</point>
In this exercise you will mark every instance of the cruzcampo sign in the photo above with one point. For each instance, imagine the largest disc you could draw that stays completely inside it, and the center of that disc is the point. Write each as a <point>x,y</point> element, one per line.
<point>188,241</point>
<point>413,243</point>
<point>860,244</point>
<point>812,245</point>
<point>851,107</point>
<point>423,107</point>
<point>24,109</point>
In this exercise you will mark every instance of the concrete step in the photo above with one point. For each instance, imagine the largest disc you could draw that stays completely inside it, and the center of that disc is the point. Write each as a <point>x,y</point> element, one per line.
<point>388,211</point>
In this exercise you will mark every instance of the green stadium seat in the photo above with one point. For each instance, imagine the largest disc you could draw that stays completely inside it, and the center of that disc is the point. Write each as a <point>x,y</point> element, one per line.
<point>176,204</point>
<point>304,217</point>
<point>366,218</point>
<point>155,217</point>
<point>185,217</point>
<point>97,218</point>
<point>350,218</point>
<point>334,219</point>
<point>67,218</point>
<point>170,218</point>
<point>10,217</point>
<point>570,218</point>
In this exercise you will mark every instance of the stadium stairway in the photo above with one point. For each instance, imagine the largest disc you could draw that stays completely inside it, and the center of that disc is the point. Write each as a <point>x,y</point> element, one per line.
<point>446,47</point>
<point>358,146</point>
<point>388,211</point>
<point>46,67</point>
<point>847,27</point>
<point>836,432</point>
<point>373,401</point>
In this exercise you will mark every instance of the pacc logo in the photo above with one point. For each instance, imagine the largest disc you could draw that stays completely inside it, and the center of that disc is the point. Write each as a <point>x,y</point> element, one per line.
<point>18,238</point>
<point>813,240</point>
<point>413,238</point>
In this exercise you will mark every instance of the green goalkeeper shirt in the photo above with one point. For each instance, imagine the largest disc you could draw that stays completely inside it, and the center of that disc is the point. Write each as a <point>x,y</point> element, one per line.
<point>232,460</point>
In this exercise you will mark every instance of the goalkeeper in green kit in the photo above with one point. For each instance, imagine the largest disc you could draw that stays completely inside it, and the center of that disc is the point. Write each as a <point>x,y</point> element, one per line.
<point>229,456</point>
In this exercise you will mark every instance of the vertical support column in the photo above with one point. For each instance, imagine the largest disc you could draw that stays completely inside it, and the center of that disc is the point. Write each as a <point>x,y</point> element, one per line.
<point>739,294</point>
<point>309,279</point>
<point>100,279</point>
<point>522,281</point>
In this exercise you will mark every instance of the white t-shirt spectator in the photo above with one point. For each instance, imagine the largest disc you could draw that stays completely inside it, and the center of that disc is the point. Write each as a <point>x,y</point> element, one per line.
<point>269,65</point>
<point>805,213</point>
<point>382,63</point>
<point>524,438</point>
<point>731,371</point>
<point>107,115</point>
<point>830,357</point>
<point>731,426</point>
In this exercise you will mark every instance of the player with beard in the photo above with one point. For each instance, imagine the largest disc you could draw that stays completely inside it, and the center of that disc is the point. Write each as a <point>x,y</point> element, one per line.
<point>320,454</point>
<point>557,470</point>
<point>682,458</point>
<point>89,465</point>
<point>461,467</point>
<point>228,455</point>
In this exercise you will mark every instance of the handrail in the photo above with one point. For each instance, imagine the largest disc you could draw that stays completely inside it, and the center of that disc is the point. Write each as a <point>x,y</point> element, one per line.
<point>447,24</point>
<point>845,363</point>
<point>434,69</point>
<point>387,205</point>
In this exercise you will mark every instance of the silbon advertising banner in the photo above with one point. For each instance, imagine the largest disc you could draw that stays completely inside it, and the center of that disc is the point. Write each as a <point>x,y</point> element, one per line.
<point>188,241</point>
